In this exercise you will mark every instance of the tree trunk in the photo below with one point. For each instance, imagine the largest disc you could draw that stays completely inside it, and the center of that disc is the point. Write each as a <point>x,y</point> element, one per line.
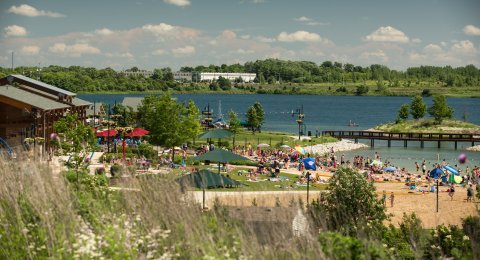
<point>173,154</point>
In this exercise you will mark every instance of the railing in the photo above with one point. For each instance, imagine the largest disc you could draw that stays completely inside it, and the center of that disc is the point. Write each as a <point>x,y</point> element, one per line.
<point>402,136</point>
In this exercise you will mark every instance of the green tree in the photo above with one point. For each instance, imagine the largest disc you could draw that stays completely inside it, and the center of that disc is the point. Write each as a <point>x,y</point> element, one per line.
<point>440,110</point>
<point>252,119</point>
<point>233,124</point>
<point>170,123</point>
<point>260,115</point>
<point>127,117</point>
<point>361,90</point>
<point>350,204</point>
<point>224,83</point>
<point>76,139</point>
<point>403,112</point>
<point>417,107</point>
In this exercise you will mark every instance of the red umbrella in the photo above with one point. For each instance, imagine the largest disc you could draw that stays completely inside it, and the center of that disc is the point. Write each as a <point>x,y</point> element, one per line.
<point>138,132</point>
<point>107,133</point>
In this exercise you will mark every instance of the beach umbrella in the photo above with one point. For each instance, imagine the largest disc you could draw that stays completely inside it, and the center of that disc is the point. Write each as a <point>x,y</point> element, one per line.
<point>137,132</point>
<point>451,169</point>
<point>216,133</point>
<point>376,163</point>
<point>263,145</point>
<point>309,164</point>
<point>390,169</point>
<point>207,179</point>
<point>299,149</point>
<point>436,173</point>
<point>106,133</point>
<point>284,146</point>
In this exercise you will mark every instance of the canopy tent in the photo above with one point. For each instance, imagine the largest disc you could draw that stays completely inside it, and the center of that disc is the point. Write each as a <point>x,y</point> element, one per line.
<point>216,133</point>
<point>138,132</point>
<point>436,173</point>
<point>107,133</point>
<point>207,179</point>
<point>263,145</point>
<point>220,156</point>
<point>284,146</point>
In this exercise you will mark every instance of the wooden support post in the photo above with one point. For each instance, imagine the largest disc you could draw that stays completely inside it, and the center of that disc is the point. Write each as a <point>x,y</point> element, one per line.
<point>422,145</point>
<point>439,146</point>
<point>389,143</point>
<point>356,140</point>
<point>405,143</point>
<point>455,145</point>
<point>372,142</point>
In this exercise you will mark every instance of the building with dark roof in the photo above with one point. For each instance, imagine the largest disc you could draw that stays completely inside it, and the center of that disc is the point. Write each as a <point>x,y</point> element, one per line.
<point>29,108</point>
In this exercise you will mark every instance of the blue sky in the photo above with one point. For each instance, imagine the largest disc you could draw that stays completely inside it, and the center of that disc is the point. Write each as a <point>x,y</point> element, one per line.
<point>158,33</point>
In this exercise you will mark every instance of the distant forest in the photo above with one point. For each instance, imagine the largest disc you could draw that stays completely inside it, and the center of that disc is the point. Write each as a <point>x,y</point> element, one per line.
<point>269,71</point>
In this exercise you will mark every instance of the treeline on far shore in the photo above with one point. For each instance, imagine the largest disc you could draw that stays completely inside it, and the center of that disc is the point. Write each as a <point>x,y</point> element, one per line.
<point>273,77</point>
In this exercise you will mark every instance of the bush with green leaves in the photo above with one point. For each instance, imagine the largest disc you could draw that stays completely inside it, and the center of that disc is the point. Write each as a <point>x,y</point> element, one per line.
<point>337,246</point>
<point>350,205</point>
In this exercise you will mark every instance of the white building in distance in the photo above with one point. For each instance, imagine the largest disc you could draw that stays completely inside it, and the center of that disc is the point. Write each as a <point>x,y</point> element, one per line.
<point>210,76</point>
<point>145,73</point>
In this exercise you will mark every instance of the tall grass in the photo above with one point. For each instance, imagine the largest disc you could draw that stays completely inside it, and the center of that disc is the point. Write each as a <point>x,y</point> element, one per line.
<point>44,215</point>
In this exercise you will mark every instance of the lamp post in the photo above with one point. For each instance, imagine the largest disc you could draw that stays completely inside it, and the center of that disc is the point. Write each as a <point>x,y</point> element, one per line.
<point>300,118</point>
<point>308,185</point>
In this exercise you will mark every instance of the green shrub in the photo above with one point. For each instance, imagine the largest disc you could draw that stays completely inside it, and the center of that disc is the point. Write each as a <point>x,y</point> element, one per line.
<point>116,170</point>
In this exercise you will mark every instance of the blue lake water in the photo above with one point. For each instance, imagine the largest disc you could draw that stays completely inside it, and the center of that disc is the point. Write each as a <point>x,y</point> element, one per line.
<point>334,113</point>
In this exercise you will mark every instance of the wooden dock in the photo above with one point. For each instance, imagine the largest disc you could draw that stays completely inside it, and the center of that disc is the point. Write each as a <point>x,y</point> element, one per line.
<point>405,137</point>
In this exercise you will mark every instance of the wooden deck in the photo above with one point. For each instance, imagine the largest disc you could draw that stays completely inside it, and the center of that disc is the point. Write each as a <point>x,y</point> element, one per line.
<point>405,137</point>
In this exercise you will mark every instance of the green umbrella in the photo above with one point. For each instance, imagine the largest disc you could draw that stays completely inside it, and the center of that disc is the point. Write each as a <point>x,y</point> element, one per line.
<point>220,156</point>
<point>216,133</point>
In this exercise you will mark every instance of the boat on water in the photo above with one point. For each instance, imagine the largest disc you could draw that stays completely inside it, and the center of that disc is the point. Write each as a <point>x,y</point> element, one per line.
<point>352,124</point>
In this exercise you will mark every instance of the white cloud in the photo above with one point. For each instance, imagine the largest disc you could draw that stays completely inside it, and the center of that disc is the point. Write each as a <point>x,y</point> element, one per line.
<point>387,34</point>
<point>471,30</point>
<point>303,19</point>
<point>75,50</point>
<point>299,36</point>
<point>159,52</point>
<point>28,10</point>
<point>464,47</point>
<point>158,29</point>
<point>15,30</point>
<point>432,48</point>
<point>416,40</point>
<point>242,51</point>
<point>119,55</point>
<point>104,31</point>
<point>30,50</point>
<point>373,56</point>
<point>184,50</point>
<point>177,2</point>
<point>228,34</point>
<point>245,37</point>
<point>264,39</point>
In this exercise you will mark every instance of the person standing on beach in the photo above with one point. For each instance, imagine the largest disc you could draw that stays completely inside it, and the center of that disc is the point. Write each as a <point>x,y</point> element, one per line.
<point>417,166</point>
<point>384,198</point>
<point>392,199</point>
<point>424,167</point>
<point>451,192</point>
<point>469,193</point>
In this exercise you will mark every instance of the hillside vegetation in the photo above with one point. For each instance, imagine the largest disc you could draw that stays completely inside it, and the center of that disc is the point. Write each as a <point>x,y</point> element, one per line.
<point>273,77</point>
<point>429,126</point>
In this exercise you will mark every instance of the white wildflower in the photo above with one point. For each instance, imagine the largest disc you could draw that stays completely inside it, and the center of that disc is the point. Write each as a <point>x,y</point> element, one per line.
<point>24,230</point>
<point>466,237</point>
<point>449,236</point>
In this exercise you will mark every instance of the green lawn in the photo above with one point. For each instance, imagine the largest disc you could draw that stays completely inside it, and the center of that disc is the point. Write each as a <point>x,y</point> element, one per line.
<point>274,139</point>
<point>262,183</point>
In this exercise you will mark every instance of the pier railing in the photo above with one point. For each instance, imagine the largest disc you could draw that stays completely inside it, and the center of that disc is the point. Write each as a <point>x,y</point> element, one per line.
<point>405,137</point>
<point>402,136</point>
